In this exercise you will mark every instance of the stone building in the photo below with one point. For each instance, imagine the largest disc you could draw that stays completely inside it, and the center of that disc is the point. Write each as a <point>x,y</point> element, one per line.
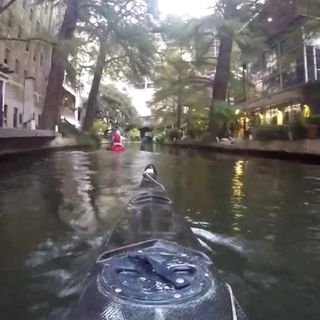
<point>25,65</point>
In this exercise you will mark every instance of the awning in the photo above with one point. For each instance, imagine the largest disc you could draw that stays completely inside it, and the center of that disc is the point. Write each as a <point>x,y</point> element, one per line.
<point>284,97</point>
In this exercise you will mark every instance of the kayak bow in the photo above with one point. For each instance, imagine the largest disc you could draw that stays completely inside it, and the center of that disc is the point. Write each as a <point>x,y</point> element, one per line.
<point>155,268</point>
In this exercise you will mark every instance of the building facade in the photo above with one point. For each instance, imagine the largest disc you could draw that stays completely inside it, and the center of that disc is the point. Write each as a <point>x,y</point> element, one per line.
<point>25,65</point>
<point>277,78</point>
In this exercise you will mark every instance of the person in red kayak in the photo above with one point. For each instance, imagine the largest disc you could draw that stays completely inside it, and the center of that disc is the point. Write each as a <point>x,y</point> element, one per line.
<point>117,142</point>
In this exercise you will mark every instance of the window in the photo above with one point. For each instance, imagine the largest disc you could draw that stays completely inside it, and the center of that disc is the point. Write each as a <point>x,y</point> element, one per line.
<point>292,42</point>
<point>15,117</point>
<point>289,77</point>
<point>31,15</point>
<point>27,46</point>
<point>5,115</point>
<point>46,9</point>
<point>310,63</point>
<point>270,62</point>
<point>38,26</point>
<point>17,66</point>
<point>19,33</point>
<point>20,118</point>
<point>293,69</point>
<point>24,4</point>
<point>25,73</point>
<point>7,56</point>
<point>318,62</point>
<point>39,119</point>
<point>255,66</point>
<point>272,85</point>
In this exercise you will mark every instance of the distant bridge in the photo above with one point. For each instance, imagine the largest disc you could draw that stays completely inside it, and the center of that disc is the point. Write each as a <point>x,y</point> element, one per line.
<point>146,121</point>
<point>146,125</point>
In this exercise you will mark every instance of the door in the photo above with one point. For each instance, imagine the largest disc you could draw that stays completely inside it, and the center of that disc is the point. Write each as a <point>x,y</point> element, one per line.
<point>5,116</point>
<point>1,105</point>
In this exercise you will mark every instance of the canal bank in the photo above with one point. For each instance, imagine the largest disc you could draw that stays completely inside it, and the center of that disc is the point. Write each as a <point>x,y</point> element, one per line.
<point>303,150</point>
<point>14,142</point>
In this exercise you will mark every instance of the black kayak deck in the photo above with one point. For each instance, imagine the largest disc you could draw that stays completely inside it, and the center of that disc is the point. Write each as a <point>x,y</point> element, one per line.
<point>135,278</point>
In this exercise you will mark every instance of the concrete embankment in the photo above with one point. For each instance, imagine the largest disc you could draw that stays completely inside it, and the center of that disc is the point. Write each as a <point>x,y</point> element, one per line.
<point>304,150</point>
<point>20,141</point>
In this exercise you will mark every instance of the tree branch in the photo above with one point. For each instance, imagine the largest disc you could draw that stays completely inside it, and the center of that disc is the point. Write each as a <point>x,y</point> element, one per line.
<point>114,59</point>
<point>6,6</point>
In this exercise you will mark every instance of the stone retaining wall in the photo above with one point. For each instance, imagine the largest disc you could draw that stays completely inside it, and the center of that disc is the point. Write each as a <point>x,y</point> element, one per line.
<point>295,150</point>
<point>19,145</point>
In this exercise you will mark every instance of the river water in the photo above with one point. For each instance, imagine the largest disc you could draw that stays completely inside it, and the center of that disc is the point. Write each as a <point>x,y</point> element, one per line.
<point>259,218</point>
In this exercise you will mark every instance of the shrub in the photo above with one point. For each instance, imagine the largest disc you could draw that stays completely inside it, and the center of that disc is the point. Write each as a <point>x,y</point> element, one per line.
<point>90,140</point>
<point>67,129</point>
<point>173,134</point>
<point>194,133</point>
<point>298,129</point>
<point>160,136</point>
<point>223,112</point>
<point>134,134</point>
<point>99,128</point>
<point>265,133</point>
<point>315,120</point>
<point>207,138</point>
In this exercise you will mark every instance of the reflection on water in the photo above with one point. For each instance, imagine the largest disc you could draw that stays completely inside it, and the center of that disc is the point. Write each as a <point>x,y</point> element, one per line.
<point>76,208</point>
<point>238,193</point>
<point>258,220</point>
<point>237,186</point>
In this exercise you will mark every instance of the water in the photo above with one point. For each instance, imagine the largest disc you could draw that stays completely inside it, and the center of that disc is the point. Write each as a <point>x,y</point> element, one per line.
<point>259,219</point>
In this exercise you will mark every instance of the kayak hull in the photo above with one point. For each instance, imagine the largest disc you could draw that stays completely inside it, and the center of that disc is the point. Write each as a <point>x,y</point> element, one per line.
<point>117,148</point>
<point>150,228</point>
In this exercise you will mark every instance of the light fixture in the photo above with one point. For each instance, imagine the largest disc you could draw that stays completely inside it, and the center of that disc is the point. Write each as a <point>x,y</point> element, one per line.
<point>237,111</point>
<point>270,19</point>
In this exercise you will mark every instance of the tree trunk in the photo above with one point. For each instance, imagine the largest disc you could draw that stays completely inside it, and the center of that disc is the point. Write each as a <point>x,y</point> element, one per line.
<point>179,110</point>
<point>223,69</point>
<point>179,106</point>
<point>93,95</point>
<point>59,59</point>
<point>222,76</point>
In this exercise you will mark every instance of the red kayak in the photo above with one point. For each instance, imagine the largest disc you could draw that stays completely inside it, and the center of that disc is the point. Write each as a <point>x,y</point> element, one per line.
<point>117,148</point>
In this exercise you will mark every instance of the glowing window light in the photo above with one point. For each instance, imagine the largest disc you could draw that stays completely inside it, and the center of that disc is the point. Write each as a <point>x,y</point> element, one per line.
<point>306,111</point>
<point>280,118</point>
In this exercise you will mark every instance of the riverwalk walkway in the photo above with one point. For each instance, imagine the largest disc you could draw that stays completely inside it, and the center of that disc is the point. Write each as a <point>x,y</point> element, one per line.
<point>18,141</point>
<point>295,150</point>
<point>6,133</point>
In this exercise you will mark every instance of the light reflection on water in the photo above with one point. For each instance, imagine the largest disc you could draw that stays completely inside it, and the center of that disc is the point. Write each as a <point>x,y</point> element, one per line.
<point>258,219</point>
<point>238,194</point>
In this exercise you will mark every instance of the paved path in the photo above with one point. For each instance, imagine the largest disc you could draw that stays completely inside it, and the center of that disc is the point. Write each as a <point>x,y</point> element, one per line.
<point>25,133</point>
